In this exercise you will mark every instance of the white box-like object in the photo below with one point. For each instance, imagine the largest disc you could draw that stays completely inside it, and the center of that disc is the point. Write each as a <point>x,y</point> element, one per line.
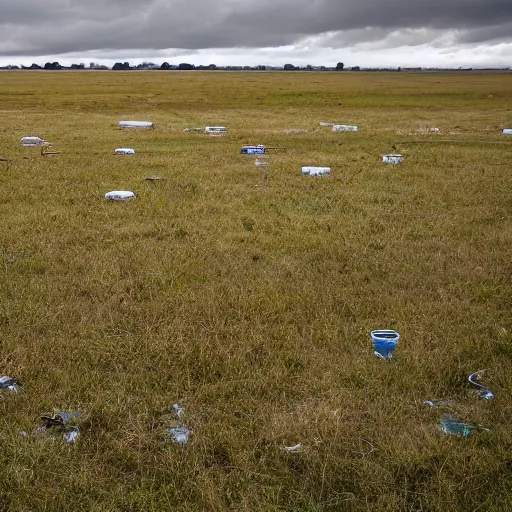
<point>119,195</point>
<point>392,159</point>
<point>344,128</point>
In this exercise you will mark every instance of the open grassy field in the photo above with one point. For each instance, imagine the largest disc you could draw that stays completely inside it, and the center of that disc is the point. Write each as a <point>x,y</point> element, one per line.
<point>247,295</point>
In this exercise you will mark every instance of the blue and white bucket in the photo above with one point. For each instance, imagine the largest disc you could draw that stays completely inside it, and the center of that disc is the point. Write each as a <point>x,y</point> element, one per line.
<point>384,342</point>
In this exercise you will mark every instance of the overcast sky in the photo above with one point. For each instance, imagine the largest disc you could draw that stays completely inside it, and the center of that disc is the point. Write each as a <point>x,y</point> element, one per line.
<point>428,33</point>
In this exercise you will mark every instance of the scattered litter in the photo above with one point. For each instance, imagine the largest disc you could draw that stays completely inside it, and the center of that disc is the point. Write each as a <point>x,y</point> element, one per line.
<point>59,418</point>
<point>23,434</point>
<point>180,435</point>
<point>452,425</point>
<point>322,123</point>
<point>178,410</point>
<point>384,342</point>
<point>392,159</point>
<point>217,131</point>
<point>295,131</point>
<point>125,151</point>
<point>344,128</point>
<point>293,449</point>
<point>260,163</point>
<point>136,124</point>
<point>34,141</point>
<point>437,403</point>
<point>59,423</point>
<point>154,178</point>
<point>253,150</point>
<point>72,435</point>
<point>119,195</point>
<point>483,391</point>
<point>316,171</point>
<point>507,131</point>
<point>10,384</point>
<point>426,129</point>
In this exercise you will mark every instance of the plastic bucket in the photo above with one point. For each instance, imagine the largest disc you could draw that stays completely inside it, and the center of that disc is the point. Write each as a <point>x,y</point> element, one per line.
<point>507,131</point>
<point>384,342</point>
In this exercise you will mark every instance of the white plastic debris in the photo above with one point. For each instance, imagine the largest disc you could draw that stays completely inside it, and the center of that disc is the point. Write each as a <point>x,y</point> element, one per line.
<point>392,159</point>
<point>136,124</point>
<point>58,423</point>
<point>323,123</point>
<point>9,384</point>
<point>293,449</point>
<point>316,171</point>
<point>426,129</point>
<point>125,151</point>
<point>507,131</point>
<point>72,435</point>
<point>483,391</point>
<point>34,141</point>
<point>260,163</point>
<point>178,410</point>
<point>119,195</point>
<point>344,128</point>
<point>200,129</point>
<point>180,435</point>
<point>217,131</point>
<point>437,403</point>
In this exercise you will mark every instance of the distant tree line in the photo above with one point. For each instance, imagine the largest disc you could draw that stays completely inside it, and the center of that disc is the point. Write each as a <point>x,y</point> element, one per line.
<point>184,66</point>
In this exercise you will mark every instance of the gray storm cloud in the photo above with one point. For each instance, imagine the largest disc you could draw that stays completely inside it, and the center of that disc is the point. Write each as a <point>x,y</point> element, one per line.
<point>63,26</point>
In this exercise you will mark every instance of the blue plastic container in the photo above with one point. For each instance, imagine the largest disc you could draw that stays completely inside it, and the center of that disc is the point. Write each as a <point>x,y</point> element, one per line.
<point>253,150</point>
<point>384,342</point>
<point>453,426</point>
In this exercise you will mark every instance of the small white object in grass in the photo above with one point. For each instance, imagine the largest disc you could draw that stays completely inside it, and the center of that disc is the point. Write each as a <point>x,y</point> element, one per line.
<point>178,410</point>
<point>316,171</point>
<point>125,151</point>
<point>293,449</point>
<point>119,195</point>
<point>392,159</point>
<point>136,124</point>
<point>180,435</point>
<point>260,163</point>
<point>34,141</point>
<point>344,128</point>
<point>71,436</point>
<point>322,123</point>
<point>9,384</point>
<point>210,129</point>
<point>507,131</point>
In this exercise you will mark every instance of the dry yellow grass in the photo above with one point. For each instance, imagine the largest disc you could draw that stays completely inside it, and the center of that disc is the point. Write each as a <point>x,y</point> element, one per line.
<point>248,295</point>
